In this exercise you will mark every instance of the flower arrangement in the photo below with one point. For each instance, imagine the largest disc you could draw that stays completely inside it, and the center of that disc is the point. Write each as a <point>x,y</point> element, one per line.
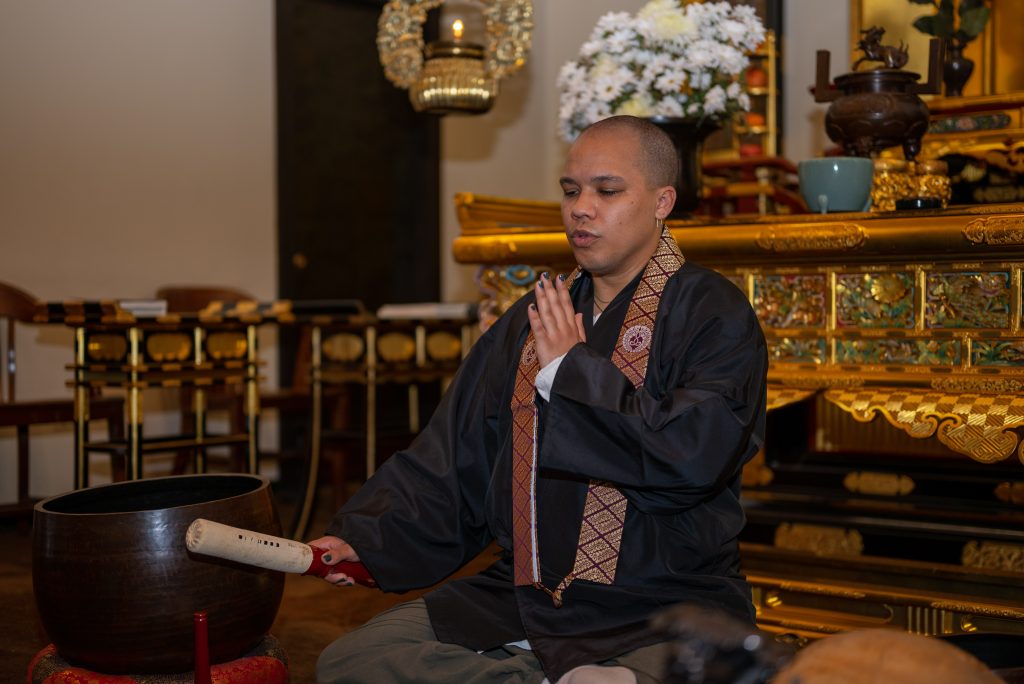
<point>669,60</point>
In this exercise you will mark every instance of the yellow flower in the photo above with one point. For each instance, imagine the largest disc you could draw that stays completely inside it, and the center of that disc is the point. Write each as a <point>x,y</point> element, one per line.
<point>638,105</point>
<point>666,19</point>
<point>888,289</point>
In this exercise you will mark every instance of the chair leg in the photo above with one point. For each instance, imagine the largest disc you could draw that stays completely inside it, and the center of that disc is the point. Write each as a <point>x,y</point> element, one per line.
<point>23,461</point>
<point>115,433</point>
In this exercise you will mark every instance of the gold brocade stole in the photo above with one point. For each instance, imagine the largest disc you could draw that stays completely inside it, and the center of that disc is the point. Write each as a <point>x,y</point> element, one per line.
<point>604,513</point>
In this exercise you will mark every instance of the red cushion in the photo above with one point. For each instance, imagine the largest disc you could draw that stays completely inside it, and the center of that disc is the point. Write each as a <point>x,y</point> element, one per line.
<point>266,664</point>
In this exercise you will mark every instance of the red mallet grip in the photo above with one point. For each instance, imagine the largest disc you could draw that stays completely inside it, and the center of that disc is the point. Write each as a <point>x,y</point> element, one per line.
<point>357,571</point>
<point>266,551</point>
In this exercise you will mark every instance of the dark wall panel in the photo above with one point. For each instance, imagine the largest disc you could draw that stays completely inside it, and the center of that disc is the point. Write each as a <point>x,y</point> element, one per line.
<point>357,168</point>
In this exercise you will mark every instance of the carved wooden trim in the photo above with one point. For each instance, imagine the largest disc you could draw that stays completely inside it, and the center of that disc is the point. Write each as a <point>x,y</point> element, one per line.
<point>978,425</point>
<point>996,230</point>
<point>826,236</point>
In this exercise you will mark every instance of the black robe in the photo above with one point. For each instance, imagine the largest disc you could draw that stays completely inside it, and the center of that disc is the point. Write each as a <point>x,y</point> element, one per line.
<point>675,449</point>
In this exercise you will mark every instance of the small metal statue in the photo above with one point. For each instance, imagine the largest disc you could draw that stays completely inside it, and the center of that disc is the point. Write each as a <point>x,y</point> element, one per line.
<point>894,57</point>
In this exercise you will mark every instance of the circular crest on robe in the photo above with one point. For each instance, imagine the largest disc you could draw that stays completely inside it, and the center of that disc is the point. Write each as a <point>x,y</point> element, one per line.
<point>636,339</point>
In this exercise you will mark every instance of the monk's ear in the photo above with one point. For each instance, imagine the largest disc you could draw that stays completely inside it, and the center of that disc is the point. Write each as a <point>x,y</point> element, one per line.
<point>666,199</point>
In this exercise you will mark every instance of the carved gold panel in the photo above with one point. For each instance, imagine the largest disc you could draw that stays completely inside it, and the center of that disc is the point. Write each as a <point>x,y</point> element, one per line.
<point>395,347</point>
<point>968,299</point>
<point>798,349</point>
<point>791,301</point>
<point>344,347</point>
<point>1010,492</point>
<point>978,425</point>
<point>784,396</point>
<point>996,230</point>
<point>993,556</point>
<point>226,345</point>
<point>443,346</point>
<point>169,347</point>
<point>875,300</point>
<point>821,540</point>
<point>819,238</point>
<point>104,347</point>
<point>878,484</point>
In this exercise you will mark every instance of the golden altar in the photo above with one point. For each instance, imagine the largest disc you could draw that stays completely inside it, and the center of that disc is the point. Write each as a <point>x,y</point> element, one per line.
<point>891,489</point>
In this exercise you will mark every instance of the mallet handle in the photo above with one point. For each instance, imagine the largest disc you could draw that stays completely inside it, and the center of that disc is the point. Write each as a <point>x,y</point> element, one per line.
<point>267,551</point>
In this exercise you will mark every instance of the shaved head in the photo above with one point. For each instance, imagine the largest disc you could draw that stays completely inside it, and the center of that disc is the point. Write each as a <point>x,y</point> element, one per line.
<point>658,159</point>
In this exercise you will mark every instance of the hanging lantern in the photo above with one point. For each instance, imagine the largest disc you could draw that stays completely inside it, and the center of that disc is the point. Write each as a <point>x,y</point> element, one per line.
<point>455,74</point>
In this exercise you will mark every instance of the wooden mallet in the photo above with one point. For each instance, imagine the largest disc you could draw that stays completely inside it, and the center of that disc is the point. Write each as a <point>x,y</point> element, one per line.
<point>267,551</point>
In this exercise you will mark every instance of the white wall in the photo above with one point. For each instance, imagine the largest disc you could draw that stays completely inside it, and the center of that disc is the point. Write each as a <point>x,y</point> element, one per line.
<point>136,150</point>
<point>514,150</point>
<point>809,26</point>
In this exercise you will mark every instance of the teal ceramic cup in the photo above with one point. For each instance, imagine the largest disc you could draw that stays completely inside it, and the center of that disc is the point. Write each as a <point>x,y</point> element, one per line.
<point>836,183</point>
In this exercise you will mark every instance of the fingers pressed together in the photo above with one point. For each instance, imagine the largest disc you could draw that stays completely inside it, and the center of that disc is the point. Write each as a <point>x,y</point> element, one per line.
<point>556,325</point>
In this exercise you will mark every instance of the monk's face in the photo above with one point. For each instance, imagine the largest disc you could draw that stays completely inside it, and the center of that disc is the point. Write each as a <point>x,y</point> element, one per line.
<point>609,208</point>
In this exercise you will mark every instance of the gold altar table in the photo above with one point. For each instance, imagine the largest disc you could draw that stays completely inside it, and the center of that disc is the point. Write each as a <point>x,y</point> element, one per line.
<point>891,489</point>
<point>217,347</point>
<point>115,349</point>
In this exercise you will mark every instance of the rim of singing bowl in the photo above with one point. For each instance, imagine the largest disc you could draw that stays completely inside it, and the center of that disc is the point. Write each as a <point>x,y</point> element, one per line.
<point>141,622</point>
<point>152,494</point>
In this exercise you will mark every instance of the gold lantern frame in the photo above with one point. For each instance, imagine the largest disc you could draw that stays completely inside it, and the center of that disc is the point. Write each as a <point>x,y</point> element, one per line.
<point>508,24</point>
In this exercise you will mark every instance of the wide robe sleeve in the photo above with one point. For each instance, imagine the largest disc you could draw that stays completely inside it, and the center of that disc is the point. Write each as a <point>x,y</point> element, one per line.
<point>422,515</point>
<point>685,434</point>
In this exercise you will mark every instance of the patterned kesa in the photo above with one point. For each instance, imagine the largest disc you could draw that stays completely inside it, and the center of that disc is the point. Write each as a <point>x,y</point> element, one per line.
<point>604,512</point>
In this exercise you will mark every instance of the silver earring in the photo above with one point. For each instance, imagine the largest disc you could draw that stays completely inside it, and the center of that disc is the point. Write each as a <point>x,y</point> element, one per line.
<point>660,223</point>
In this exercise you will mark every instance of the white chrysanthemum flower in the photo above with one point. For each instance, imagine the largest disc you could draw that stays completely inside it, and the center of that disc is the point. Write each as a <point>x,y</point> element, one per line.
<point>668,60</point>
<point>570,75</point>
<point>671,81</point>
<point>591,48</point>
<point>604,66</point>
<point>620,41</point>
<point>670,107</point>
<point>714,100</point>
<point>611,22</point>
<point>731,61</point>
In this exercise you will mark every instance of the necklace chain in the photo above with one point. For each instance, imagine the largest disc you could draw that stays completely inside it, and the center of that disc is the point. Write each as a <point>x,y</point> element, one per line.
<point>600,306</point>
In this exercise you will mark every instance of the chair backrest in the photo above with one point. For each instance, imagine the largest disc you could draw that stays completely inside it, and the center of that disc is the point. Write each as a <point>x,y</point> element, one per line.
<point>16,306</point>
<point>192,298</point>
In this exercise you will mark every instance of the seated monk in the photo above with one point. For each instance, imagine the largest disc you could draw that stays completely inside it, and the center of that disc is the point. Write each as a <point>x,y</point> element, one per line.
<point>596,433</point>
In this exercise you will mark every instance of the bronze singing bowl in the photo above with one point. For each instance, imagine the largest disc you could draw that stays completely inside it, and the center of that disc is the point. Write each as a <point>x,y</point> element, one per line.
<point>116,588</point>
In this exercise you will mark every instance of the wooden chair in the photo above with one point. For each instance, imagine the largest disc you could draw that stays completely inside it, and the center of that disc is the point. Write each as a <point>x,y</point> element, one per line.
<point>17,307</point>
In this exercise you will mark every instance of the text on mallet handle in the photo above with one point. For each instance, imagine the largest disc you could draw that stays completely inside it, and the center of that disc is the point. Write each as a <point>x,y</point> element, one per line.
<point>266,551</point>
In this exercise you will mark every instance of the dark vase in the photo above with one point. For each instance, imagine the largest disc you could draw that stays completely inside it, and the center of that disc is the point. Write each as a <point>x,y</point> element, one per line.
<point>688,136</point>
<point>956,69</point>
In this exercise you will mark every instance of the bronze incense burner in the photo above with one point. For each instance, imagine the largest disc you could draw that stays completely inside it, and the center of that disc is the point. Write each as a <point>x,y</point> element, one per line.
<point>878,108</point>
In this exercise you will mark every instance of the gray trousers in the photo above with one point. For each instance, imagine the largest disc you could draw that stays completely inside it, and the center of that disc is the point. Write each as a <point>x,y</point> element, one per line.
<point>399,646</point>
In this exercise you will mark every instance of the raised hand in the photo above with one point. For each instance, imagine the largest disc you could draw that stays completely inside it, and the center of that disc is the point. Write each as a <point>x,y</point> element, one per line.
<point>556,325</point>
